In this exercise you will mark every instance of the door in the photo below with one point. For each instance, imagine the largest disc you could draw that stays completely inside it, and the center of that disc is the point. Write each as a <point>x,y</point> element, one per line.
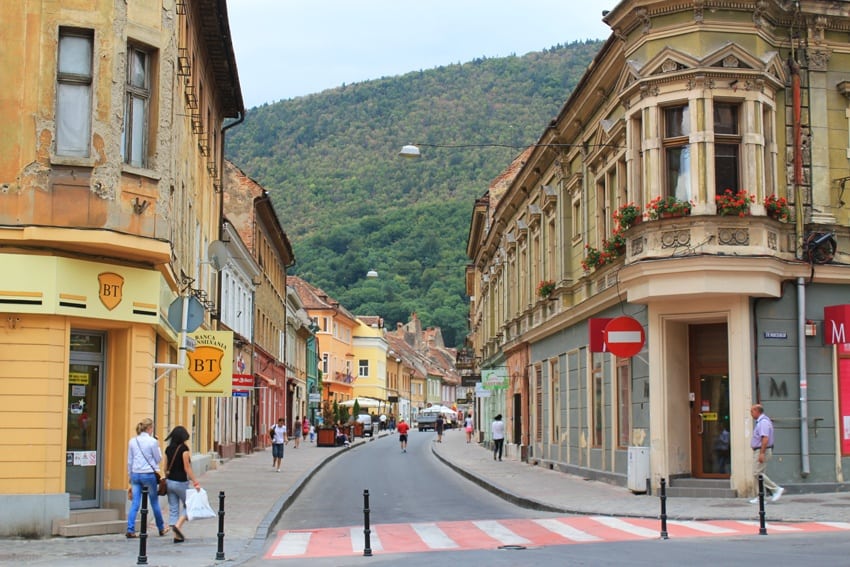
<point>709,401</point>
<point>83,458</point>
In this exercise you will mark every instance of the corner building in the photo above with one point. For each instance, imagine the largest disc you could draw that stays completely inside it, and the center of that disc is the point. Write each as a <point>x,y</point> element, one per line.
<point>684,101</point>
<point>110,164</point>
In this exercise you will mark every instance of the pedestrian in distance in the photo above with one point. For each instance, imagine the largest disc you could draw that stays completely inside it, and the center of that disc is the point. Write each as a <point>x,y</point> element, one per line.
<point>498,431</point>
<point>312,433</point>
<point>297,431</point>
<point>403,428</point>
<point>439,427</point>
<point>143,458</point>
<point>178,472</point>
<point>305,428</point>
<point>279,439</point>
<point>762,445</point>
<point>467,425</point>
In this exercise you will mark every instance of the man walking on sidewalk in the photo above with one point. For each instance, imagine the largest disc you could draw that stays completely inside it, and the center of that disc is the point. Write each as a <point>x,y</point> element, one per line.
<point>498,431</point>
<point>762,445</point>
<point>278,435</point>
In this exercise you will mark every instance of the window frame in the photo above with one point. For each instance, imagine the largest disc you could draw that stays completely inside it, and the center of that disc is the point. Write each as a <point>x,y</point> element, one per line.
<point>677,141</point>
<point>729,139</point>
<point>66,81</point>
<point>134,145</point>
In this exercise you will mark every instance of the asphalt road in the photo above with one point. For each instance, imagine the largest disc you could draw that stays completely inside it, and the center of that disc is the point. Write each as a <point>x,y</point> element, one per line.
<point>403,487</point>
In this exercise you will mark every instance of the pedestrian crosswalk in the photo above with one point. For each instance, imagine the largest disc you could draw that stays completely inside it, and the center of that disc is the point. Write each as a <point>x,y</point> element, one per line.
<point>488,534</point>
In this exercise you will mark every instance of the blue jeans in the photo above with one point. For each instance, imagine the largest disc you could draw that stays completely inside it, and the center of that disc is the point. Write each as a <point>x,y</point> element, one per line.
<point>176,497</point>
<point>139,480</point>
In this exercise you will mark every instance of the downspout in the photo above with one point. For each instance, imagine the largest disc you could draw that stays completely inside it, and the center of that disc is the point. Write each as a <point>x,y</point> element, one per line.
<point>801,282</point>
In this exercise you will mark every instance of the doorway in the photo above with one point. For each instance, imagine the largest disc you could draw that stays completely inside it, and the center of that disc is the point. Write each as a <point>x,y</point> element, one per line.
<point>709,400</point>
<point>83,455</point>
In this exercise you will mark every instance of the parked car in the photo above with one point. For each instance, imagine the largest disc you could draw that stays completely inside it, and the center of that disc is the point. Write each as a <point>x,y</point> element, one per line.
<point>366,420</point>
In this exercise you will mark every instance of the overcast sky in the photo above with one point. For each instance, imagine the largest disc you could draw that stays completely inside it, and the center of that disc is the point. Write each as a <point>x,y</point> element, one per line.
<point>290,48</point>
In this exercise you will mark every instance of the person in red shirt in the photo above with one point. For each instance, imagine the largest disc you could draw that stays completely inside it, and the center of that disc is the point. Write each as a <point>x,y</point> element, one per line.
<point>403,428</point>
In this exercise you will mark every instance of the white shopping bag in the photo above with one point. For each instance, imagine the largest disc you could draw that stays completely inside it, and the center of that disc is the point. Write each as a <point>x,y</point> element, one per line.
<point>198,505</point>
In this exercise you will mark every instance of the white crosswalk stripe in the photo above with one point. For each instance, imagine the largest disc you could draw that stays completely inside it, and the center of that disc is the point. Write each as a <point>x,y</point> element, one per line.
<point>434,537</point>
<point>292,543</point>
<point>566,531</point>
<point>500,533</point>
<point>624,526</point>
<point>702,527</point>
<point>358,539</point>
<point>775,527</point>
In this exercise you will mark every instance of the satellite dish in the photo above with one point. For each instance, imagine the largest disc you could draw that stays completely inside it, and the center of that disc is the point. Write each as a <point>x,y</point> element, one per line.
<point>218,255</point>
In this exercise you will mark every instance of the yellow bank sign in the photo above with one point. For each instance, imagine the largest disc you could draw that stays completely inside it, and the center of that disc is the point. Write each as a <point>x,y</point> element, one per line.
<point>209,368</point>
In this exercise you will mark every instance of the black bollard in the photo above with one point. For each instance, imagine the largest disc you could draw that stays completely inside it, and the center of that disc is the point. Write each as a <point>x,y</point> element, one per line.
<point>663,508</point>
<point>762,528</point>
<point>219,555</point>
<point>143,531</point>
<point>367,547</point>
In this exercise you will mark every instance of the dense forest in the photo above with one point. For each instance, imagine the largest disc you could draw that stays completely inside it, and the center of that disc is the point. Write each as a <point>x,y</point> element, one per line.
<point>349,204</point>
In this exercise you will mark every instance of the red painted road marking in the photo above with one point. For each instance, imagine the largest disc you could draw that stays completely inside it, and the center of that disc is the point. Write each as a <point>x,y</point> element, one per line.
<point>490,534</point>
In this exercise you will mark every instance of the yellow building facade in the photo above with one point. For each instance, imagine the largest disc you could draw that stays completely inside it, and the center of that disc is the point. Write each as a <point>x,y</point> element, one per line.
<point>109,197</point>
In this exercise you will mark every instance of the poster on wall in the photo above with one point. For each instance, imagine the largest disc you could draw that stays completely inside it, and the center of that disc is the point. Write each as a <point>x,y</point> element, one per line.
<point>844,398</point>
<point>209,368</point>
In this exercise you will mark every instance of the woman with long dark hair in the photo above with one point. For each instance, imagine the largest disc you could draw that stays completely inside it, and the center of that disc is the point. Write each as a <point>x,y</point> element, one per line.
<point>178,473</point>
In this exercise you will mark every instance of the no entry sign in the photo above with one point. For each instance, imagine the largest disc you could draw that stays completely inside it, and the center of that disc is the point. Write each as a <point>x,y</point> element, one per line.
<point>623,337</point>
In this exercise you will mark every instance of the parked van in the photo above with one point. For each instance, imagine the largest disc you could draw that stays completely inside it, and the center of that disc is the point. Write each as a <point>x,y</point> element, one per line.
<point>366,420</point>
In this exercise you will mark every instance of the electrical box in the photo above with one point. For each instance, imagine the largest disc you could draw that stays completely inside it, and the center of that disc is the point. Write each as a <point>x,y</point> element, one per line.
<point>638,470</point>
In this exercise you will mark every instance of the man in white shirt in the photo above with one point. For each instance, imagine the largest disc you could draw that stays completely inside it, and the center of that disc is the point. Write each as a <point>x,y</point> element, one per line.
<point>498,430</point>
<point>278,435</point>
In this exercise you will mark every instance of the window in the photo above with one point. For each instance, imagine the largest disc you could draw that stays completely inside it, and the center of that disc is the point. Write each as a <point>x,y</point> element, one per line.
<point>677,152</point>
<point>73,93</point>
<point>575,224</point>
<point>325,363</point>
<point>597,408</point>
<point>727,142</point>
<point>363,368</point>
<point>554,402</point>
<point>137,106</point>
<point>624,401</point>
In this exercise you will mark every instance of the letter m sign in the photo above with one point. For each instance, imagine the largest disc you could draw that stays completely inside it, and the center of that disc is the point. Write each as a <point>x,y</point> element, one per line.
<point>836,323</point>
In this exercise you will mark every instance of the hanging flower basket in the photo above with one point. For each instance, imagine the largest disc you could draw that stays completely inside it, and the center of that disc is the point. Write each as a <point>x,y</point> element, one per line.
<point>734,204</point>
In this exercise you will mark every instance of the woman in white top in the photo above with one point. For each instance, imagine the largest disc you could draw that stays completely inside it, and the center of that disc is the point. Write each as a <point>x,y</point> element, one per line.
<point>467,423</point>
<point>143,458</point>
<point>498,430</point>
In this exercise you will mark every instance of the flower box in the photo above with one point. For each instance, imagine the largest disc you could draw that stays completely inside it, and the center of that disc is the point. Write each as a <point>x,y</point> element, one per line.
<point>734,204</point>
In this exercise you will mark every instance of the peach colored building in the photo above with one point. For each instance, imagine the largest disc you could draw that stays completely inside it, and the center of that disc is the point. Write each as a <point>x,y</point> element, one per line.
<point>110,165</point>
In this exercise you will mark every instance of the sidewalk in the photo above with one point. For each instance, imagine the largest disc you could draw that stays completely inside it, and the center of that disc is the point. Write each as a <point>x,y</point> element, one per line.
<point>540,488</point>
<point>256,496</point>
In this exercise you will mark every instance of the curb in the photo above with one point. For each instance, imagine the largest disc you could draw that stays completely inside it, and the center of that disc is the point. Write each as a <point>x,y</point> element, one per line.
<point>255,546</point>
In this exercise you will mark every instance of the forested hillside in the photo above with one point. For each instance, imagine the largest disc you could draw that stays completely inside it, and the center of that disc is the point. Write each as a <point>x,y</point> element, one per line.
<point>349,204</point>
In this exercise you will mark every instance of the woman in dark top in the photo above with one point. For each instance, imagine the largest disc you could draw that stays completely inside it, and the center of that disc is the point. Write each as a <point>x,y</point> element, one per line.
<point>178,471</point>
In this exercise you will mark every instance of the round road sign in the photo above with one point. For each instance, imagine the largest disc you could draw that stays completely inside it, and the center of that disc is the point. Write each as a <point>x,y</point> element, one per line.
<point>623,336</point>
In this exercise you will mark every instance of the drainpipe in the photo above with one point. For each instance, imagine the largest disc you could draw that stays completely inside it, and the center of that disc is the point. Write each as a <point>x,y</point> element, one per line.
<point>801,282</point>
